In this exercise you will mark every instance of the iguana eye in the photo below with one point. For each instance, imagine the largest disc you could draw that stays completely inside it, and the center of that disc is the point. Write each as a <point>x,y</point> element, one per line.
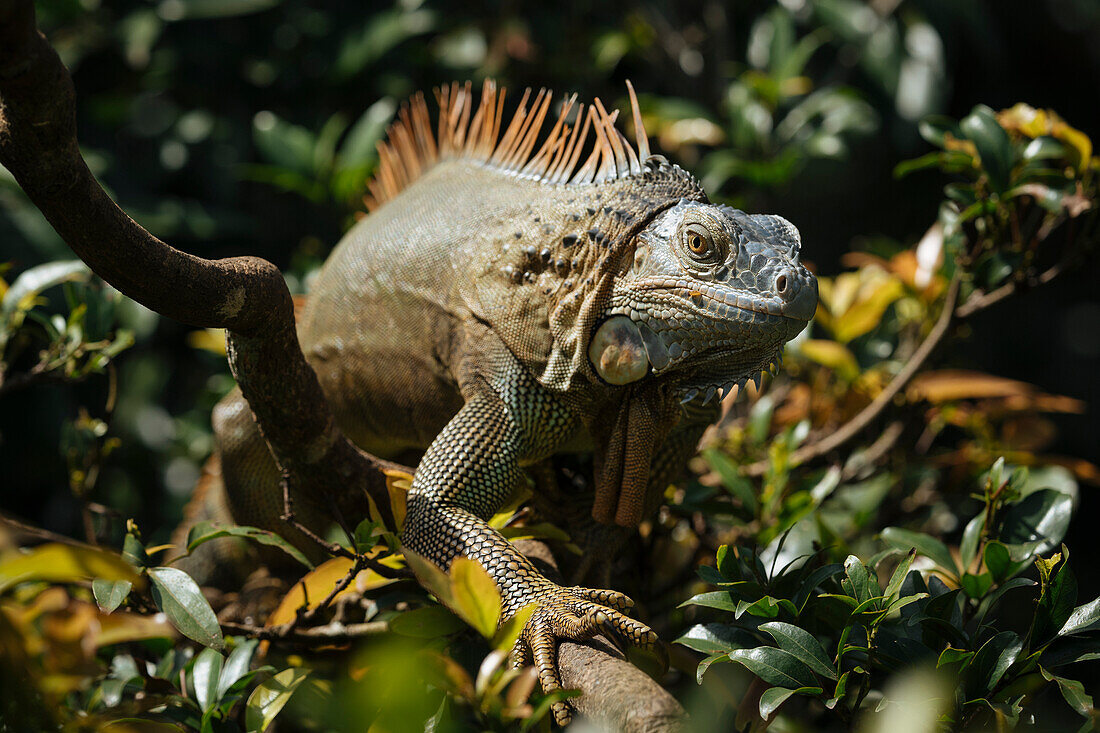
<point>699,245</point>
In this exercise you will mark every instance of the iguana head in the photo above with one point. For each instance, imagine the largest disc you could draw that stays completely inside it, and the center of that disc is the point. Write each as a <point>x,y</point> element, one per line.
<point>710,299</point>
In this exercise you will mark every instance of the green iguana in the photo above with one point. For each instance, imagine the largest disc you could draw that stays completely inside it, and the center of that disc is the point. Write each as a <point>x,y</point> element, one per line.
<point>500,305</point>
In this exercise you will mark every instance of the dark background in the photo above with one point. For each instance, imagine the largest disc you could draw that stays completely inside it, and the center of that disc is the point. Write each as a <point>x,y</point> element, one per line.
<point>168,101</point>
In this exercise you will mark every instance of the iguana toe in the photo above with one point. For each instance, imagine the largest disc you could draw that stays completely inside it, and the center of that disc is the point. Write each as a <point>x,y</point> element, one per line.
<point>576,614</point>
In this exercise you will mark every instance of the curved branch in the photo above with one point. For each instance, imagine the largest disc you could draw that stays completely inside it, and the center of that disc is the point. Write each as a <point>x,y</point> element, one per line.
<point>245,295</point>
<point>865,416</point>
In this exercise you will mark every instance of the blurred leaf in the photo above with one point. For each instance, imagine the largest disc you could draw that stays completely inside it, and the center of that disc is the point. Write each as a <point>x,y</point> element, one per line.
<point>268,699</point>
<point>58,563</point>
<point>803,645</point>
<point>930,547</point>
<point>428,622</point>
<point>380,33</point>
<point>738,486</point>
<point>358,146</point>
<point>774,666</point>
<point>110,594</point>
<point>179,597</point>
<point>992,142</point>
<point>206,531</point>
<point>832,355</point>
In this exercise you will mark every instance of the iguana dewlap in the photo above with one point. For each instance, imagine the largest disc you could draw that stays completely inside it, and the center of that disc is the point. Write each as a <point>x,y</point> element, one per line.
<point>512,295</point>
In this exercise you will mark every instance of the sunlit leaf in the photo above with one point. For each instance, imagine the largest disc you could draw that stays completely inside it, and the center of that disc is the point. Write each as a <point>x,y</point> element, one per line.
<point>774,666</point>
<point>803,645</point>
<point>205,673</point>
<point>320,581</point>
<point>179,597</point>
<point>835,356</point>
<point>268,699</point>
<point>512,627</point>
<point>992,142</point>
<point>110,594</point>
<point>60,563</point>
<point>206,531</point>
<point>476,598</point>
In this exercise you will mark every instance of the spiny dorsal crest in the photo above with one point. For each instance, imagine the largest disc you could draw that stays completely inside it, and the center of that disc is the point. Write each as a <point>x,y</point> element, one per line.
<point>411,149</point>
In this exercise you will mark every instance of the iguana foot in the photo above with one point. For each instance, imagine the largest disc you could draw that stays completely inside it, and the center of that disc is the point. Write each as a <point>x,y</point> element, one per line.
<point>577,614</point>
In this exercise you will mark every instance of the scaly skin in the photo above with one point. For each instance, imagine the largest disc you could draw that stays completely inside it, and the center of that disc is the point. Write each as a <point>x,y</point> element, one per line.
<point>493,315</point>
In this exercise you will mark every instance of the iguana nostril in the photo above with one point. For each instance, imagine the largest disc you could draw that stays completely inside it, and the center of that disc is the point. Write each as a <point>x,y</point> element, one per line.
<point>781,284</point>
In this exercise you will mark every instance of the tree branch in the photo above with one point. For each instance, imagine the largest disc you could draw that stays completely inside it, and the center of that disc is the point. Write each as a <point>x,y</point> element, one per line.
<point>245,295</point>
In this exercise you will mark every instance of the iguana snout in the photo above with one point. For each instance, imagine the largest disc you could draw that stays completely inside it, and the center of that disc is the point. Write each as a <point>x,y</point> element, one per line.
<point>713,294</point>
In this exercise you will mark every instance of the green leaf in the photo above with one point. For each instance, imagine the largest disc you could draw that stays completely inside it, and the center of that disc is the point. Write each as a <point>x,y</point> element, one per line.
<point>839,692</point>
<point>428,622</point>
<point>893,588</point>
<point>993,144</point>
<point>968,547</point>
<point>976,586</point>
<point>803,645</point>
<point>954,659</point>
<point>930,547</point>
<point>776,696</point>
<point>737,485</point>
<point>712,638</point>
<point>268,699</point>
<point>1071,650</point>
<point>1037,523</point>
<point>205,673</point>
<point>179,597</point>
<point>719,599</point>
<point>991,662</point>
<point>475,595</point>
<point>774,666</point>
<point>1084,618</point>
<point>237,665</point>
<point>1055,605</point>
<point>133,551</point>
<point>705,664</point>
<point>109,594</point>
<point>863,587</point>
<point>1073,692</point>
<point>206,531</point>
<point>766,607</point>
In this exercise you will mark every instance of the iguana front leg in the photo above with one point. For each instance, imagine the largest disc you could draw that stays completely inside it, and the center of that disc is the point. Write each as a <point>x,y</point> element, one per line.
<point>469,471</point>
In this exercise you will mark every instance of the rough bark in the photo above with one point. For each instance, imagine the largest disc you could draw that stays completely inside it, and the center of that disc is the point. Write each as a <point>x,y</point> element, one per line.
<point>247,296</point>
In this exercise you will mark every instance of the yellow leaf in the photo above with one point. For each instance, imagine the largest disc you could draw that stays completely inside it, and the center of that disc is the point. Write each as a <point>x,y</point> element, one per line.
<point>320,581</point>
<point>867,312</point>
<point>832,355</point>
<point>1078,140</point>
<point>58,563</point>
<point>1024,119</point>
<point>124,626</point>
<point>431,576</point>
<point>476,598</point>
<point>208,339</point>
<point>398,484</point>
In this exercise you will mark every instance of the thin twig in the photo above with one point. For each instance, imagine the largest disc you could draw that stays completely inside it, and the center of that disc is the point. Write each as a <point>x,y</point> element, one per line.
<point>332,632</point>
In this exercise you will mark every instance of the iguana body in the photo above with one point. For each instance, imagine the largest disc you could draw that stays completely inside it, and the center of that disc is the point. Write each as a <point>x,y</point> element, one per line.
<point>500,305</point>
